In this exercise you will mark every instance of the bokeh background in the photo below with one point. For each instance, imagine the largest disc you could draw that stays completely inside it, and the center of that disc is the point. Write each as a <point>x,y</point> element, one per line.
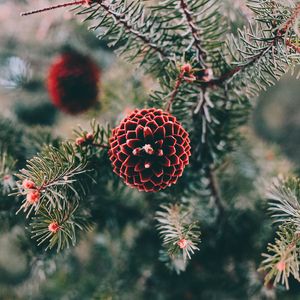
<point>27,47</point>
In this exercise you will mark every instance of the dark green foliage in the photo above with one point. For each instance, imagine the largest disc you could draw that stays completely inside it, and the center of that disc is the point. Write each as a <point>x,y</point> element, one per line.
<point>11,140</point>
<point>67,221</point>
<point>219,188</point>
<point>282,259</point>
<point>43,113</point>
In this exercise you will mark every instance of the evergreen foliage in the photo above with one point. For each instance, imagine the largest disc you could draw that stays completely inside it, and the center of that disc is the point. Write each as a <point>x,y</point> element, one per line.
<point>282,259</point>
<point>208,81</point>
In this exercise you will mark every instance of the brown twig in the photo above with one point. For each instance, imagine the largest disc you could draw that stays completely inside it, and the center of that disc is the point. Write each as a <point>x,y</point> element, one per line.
<point>185,69</point>
<point>215,191</point>
<point>54,7</point>
<point>119,18</point>
<point>175,90</point>
<point>201,53</point>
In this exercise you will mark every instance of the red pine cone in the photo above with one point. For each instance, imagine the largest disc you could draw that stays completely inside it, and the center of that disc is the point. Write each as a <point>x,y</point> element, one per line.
<point>73,82</point>
<point>149,149</point>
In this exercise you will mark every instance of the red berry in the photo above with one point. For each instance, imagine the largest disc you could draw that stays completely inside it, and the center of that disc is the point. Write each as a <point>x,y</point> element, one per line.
<point>149,149</point>
<point>281,266</point>
<point>28,184</point>
<point>53,227</point>
<point>89,136</point>
<point>73,82</point>
<point>79,141</point>
<point>187,68</point>
<point>33,197</point>
<point>183,243</point>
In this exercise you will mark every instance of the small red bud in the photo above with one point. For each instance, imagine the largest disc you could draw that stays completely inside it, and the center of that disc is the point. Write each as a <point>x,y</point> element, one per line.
<point>281,266</point>
<point>89,136</point>
<point>160,152</point>
<point>53,227</point>
<point>33,197</point>
<point>79,141</point>
<point>187,68</point>
<point>28,184</point>
<point>182,243</point>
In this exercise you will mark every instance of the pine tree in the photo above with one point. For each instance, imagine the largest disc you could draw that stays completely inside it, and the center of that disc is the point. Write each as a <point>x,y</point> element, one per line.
<point>184,145</point>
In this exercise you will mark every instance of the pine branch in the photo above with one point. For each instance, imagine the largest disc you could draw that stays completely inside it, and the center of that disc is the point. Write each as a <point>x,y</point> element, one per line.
<point>195,26</point>
<point>185,74</point>
<point>120,20</point>
<point>132,31</point>
<point>177,230</point>
<point>283,256</point>
<point>282,260</point>
<point>260,56</point>
<point>58,227</point>
<point>56,182</point>
<point>196,41</point>
<point>90,143</point>
<point>53,172</point>
<point>284,203</point>
<point>262,47</point>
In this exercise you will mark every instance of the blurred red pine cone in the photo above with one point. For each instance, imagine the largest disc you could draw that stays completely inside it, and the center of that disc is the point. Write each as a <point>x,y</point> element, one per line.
<point>73,82</point>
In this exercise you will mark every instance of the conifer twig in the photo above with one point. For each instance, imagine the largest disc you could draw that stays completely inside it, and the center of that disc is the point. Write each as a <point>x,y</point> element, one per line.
<point>201,53</point>
<point>282,257</point>
<point>177,230</point>
<point>215,191</point>
<point>282,260</point>
<point>175,90</point>
<point>119,19</point>
<point>186,69</point>
<point>55,7</point>
<point>279,35</point>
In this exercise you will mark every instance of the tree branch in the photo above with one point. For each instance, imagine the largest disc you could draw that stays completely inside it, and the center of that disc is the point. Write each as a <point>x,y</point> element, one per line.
<point>279,35</point>
<point>175,90</point>
<point>119,19</point>
<point>201,54</point>
<point>54,7</point>
<point>215,191</point>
